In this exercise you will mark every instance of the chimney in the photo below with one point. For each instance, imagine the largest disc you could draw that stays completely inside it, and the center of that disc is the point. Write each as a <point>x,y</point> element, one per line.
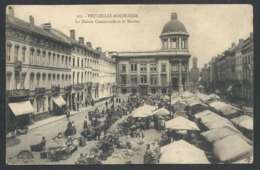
<point>89,44</point>
<point>31,18</point>
<point>99,49</point>
<point>72,34</point>
<point>107,54</point>
<point>241,41</point>
<point>47,27</point>
<point>233,44</point>
<point>251,35</point>
<point>81,40</point>
<point>11,12</point>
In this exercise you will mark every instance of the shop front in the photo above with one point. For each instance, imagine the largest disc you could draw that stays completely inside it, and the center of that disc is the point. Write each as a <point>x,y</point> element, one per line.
<point>41,102</point>
<point>58,102</point>
<point>89,93</point>
<point>67,96</point>
<point>19,108</point>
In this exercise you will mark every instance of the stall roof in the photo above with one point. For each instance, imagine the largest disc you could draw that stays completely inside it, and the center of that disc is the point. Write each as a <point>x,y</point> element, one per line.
<point>203,113</point>
<point>143,111</point>
<point>181,123</point>
<point>181,152</point>
<point>232,148</point>
<point>161,111</point>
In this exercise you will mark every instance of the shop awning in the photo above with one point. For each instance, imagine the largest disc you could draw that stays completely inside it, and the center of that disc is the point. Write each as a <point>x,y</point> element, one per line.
<point>21,108</point>
<point>59,100</point>
<point>229,88</point>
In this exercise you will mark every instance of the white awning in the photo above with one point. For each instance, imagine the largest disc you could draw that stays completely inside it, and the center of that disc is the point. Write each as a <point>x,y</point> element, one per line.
<point>59,100</point>
<point>21,108</point>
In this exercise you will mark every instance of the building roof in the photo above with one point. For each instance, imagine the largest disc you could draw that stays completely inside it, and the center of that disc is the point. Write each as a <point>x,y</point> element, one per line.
<point>18,23</point>
<point>104,57</point>
<point>174,25</point>
<point>72,41</point>
<point>152,53</point>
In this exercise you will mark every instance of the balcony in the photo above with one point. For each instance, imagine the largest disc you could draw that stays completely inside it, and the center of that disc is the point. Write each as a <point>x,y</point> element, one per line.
<point>40,91</point>
<point>78,86</point>
<point>17,93</point>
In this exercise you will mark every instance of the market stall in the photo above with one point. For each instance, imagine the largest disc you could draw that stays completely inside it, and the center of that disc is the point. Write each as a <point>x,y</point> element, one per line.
<point>181,152</point>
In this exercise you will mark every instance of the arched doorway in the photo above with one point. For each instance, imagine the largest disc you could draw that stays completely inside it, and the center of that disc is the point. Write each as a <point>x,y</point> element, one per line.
<point>175,83</point>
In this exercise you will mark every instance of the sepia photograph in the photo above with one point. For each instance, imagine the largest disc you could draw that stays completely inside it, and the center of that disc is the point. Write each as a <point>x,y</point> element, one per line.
<point>129,84</point>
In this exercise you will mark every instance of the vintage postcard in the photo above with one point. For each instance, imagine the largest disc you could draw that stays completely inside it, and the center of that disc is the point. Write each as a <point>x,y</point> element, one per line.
<point>129,84</point>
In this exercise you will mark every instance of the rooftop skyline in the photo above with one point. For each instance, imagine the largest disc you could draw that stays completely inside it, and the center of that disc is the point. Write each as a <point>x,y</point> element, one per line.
<point>212,28</point>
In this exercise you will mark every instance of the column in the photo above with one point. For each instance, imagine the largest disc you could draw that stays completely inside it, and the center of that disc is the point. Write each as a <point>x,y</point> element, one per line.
<point>180,78</point>
<point>188,76</point>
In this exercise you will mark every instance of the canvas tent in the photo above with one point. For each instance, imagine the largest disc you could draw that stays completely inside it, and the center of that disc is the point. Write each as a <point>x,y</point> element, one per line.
<point>143,111</point>
<point>181,152</point>
<point>232,148</point>
<point>161,112</point>
<point>181,123</point>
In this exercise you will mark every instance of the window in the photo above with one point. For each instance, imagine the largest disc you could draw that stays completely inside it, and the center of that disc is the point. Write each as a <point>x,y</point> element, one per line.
<point>123,68</point>
<point>165,43</point>
<point>133,79</point>
<point>58,60</point>
<point>78,62</point>
<point>9,46</point>
<point>53,63</point>
<point>123,80</point>
<point>174,43</point>
<point>38,57</point>
<point>43,57</point>
<point>16,50</point>
<point>73,61</point>
<point>153,67</point>
<point>183,43</point>
<point>163,67</point>
<point>153,80</point>
<point>49,59</point>
<point>31,56</point>
<point>134,67</point>
<point>175,67</point>
<point>82,63</point>
<point>143,79</point>
<point>143,67</point>
<point>23,53</point>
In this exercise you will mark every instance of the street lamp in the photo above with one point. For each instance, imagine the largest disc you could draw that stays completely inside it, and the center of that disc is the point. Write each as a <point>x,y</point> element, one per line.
<point>170,95</point>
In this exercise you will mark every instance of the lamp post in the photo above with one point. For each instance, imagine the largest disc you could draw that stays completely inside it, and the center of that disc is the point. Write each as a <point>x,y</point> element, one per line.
<point>170,95</point>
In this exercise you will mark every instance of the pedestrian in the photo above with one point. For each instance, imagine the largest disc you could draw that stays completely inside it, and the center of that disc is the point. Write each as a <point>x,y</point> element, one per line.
<point>129,155</point>
<point>68,115</point>
<point>106,103</point>
<point>13,129</point>
<point>85,124</point>
<point>147,155</point>
<point>97,133</point>
<point>73,127</point>
<point>81,159</point>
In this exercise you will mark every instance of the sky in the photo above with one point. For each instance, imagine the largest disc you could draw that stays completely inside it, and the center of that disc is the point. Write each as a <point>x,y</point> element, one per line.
<point>212,28</point>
